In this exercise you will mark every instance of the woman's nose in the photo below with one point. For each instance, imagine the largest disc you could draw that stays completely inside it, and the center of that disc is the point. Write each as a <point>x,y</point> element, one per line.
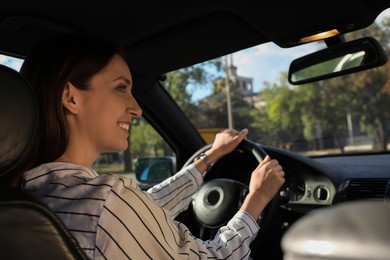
<point>133,107</point>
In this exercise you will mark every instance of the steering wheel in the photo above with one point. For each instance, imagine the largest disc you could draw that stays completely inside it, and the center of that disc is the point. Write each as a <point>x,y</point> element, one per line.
<point>225,188</point>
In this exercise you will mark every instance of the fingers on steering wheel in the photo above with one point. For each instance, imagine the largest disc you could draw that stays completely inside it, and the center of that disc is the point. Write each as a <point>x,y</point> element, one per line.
<point>272,165</point>
<point>266,160</point>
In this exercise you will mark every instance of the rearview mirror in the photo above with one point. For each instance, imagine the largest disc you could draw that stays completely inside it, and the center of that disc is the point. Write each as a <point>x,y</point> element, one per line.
<point>151,170</point>
<point>341,59</point>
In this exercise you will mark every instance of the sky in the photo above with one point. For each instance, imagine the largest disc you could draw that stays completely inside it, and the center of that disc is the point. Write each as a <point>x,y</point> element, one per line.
<point>265,63</point>
<point>13,63</point>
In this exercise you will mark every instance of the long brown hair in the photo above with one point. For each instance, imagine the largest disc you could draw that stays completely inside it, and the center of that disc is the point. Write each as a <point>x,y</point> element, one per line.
<point>49,66</point>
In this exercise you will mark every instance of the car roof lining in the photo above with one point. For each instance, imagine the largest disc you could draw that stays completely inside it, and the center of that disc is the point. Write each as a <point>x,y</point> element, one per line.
<point>195,37</point>
<point>163,37</point>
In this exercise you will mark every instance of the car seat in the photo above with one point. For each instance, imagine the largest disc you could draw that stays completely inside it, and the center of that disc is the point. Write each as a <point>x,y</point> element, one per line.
<point>28,228</point>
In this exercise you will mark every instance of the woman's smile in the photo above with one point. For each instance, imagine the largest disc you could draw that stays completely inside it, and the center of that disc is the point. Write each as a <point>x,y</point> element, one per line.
<point>125,126</point>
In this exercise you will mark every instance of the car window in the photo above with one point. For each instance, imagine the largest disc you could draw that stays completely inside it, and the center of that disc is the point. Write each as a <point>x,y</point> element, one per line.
<point>250,89</point>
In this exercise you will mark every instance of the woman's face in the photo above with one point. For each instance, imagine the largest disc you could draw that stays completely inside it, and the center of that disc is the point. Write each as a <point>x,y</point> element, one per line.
<point>108,108</point>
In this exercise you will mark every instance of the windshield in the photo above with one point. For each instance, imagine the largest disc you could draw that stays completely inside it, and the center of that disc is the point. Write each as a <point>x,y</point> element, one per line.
<point>250,89</point>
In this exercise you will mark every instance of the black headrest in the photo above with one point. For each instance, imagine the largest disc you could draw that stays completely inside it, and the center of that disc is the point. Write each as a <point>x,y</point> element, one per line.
<point>18,119</point>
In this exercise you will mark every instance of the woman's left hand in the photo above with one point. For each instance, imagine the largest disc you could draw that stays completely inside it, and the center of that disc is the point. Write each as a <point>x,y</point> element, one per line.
<point>225,142</point>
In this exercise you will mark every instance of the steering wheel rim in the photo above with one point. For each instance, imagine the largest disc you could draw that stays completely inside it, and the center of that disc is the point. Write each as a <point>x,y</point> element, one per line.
<point>219,199</point>
<point>255,148</point>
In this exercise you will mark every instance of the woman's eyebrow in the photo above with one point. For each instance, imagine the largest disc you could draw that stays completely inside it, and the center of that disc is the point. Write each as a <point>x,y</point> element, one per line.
<point>128,81</point>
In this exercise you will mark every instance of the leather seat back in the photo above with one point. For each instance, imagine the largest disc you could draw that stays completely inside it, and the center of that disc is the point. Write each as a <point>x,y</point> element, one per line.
<point>28,229</point>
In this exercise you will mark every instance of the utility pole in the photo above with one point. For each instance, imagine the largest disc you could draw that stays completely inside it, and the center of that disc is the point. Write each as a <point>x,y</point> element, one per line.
<point>229,66</point>
<point>350,127</point>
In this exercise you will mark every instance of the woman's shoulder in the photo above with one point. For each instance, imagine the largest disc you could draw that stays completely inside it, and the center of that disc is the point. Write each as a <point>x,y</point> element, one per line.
<point>71,174</point>
<point>61,169</point>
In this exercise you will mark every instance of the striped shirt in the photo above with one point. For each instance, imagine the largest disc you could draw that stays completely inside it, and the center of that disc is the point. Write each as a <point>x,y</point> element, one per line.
<point>112,218</point>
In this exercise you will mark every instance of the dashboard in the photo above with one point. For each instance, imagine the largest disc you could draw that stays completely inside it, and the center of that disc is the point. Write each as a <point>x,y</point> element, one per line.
<point>314,182</point>
<point>328,180</point>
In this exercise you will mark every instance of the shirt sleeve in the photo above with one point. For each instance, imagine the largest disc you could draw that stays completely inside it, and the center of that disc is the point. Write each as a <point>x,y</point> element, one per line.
<point>132,226</point>
<point>175,193</point>
<point>231,241</point>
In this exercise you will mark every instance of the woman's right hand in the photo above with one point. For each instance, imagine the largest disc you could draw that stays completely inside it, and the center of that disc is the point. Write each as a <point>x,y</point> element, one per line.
<point>266,180</point>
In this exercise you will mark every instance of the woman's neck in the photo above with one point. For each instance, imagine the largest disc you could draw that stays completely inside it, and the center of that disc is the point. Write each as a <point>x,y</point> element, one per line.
<point>78,157</point>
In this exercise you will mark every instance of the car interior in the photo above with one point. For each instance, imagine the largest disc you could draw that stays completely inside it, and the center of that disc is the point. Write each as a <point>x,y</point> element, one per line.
<point>157,39</point>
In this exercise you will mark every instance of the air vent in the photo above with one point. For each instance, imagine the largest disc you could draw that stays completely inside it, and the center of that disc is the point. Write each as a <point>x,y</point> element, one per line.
<point>356,189</point>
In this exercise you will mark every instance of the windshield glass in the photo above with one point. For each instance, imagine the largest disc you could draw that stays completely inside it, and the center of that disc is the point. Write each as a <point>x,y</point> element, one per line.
<point>250,89</point>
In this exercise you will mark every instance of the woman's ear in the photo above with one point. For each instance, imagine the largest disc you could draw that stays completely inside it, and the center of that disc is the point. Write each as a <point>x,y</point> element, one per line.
<point>69,98</point>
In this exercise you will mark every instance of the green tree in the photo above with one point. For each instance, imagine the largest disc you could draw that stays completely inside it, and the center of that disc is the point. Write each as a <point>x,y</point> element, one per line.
<point>146,141</point>
<point>280,117</point>
<point>182,83</point>
<point>214,108</point>
<point>373,89</point>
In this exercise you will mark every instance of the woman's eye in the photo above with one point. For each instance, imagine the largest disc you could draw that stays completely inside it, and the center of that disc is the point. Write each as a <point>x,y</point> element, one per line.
<point>121,89</point>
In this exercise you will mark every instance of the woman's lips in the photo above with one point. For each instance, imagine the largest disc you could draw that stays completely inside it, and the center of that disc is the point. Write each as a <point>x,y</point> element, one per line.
<point>125,126</point>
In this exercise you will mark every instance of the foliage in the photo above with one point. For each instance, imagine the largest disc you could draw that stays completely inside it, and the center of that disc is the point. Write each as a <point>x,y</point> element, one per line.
<point>145,141</point>
<point>279,119</point>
